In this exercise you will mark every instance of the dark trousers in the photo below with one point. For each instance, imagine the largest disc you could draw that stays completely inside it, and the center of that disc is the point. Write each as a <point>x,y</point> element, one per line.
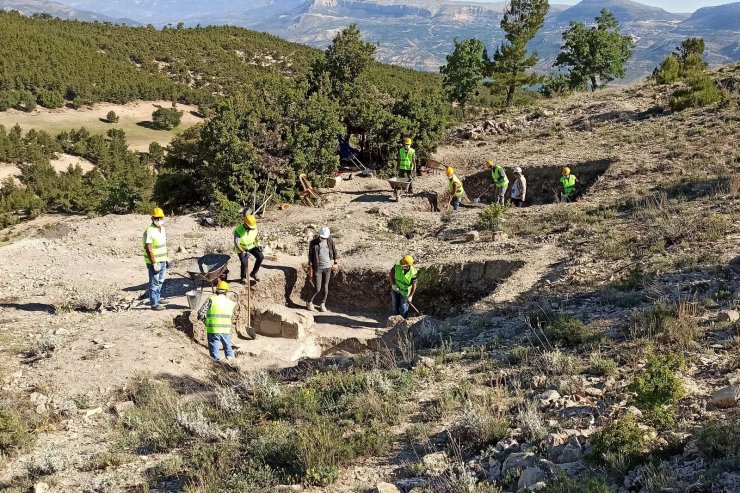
<point>517,202</point>
<point>322,283</point>
<point>407,173</point>
<point>455,203</point>
<point>244,259</point>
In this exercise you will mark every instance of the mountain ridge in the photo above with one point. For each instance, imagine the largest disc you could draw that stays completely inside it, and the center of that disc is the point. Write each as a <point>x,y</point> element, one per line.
<point>63,11</point>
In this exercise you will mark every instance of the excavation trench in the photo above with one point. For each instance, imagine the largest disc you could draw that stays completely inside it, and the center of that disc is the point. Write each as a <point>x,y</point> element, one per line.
<point>543,183</point>
<point>359,303</point>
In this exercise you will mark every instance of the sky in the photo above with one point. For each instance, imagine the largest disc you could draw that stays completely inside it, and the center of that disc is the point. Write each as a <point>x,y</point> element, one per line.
<point>669,5</point>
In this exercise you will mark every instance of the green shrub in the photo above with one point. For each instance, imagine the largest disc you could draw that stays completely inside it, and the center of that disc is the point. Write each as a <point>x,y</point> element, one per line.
<point>565,485</point>
<point>621,445</point>
<point>321,449</point>
<point>49,99</point>
<point>152,423</point>
<point>226,212</point>
<point>602,366</point>
<point>669,71</point>
<point>555,86</point>
<point>402,225</point>
<point>701,91</point>
<point>658,388</point>
<point>490,218</point>
<point>15,434</point>
<point>635,280</point>
<point>166,118</point>
<point>112,117</point>
<point>521,354</point>
<point>652,321</point>
<point>719,439</point>
<point>569,331</point>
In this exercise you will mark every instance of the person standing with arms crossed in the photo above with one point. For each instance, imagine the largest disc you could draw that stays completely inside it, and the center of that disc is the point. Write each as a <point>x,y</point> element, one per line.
<point>322,262</point>
<point>154,241</point>
<point>407,162</point>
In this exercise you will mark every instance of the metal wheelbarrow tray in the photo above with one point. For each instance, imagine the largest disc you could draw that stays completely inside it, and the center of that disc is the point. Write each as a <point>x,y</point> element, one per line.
<point>399,185</point>
<point>207,269</point>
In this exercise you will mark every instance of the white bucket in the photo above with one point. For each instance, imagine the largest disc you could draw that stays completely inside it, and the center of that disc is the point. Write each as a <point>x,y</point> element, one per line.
<point>195,299</point>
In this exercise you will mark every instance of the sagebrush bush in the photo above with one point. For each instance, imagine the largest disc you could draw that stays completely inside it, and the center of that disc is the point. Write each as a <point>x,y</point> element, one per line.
<point>658,388</point>
<point>15,431</point>
<point>566,485</point>
<point>531,422</point>
<point>719,439</point>
<point>521,354</point>
<point>600,365</point>
<point>402,225</point>
<point>569,331</point>
<point>481,425</point>
<point>621,445</point>
<point>490,218</point>
<point>559,363</point>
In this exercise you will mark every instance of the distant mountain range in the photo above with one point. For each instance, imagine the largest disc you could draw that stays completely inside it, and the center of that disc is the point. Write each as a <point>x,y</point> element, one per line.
<point>419,33</point>
<point>29,7</point>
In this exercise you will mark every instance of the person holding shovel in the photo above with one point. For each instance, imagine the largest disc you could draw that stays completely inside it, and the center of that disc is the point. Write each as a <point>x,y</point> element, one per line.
<point>407,162</point>
<point>218,312</point>
<point>322,262</point>
<point>403,285</point>
<point>246,243</point>
<point>500,180</point>
<point>456,188</point>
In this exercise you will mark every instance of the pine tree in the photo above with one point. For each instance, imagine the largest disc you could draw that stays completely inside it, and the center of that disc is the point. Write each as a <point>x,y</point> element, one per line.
<point>464,71</point>
<point>511,61</point>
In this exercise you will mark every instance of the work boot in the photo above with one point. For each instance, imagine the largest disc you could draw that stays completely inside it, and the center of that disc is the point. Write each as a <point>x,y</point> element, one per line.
<point>310,306</point>
<point>158,308</point>
<point>254,276</point>
<point>322,308</point>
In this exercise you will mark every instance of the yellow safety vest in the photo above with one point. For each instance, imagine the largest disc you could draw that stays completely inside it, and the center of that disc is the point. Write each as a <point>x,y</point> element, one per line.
<point>247,237</point>
<point>499,176</point>
<point>218,317</point>
<point>459,191</point>
<point>159,244</point>
<point>569,184</point>
<point>406,158</point>
<point>403,279</point>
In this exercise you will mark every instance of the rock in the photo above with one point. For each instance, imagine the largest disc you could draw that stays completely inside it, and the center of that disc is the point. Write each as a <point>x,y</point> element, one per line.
<point>548,397</point>
<point>40,488</point>
<point>634,412</point>
<point>593,392</point>
<point>728,316</point>
<point>121,407</point>
<point>500,236</point>
<point>181,249</point>
<point>435,462</point>
<point>725,398</point>
<point>494,468</point>
<point>61,332</point>
<point>387,488</point>
<point>570,453</point>
<point>472,236</point>
<point>394,321</point>
<point>530,476</point>
<point>507,446</point>
<point>280,321</point>
<point>518,460</point>
<point>572,468</point>
<point>41,409</point>
<point>425,361</point>
<point>93,412</point>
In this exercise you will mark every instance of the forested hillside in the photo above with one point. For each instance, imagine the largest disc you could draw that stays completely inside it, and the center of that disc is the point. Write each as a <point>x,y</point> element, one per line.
<point>45,61</point>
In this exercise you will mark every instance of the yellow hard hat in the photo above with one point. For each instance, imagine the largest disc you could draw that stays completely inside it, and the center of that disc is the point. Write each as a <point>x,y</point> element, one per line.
<point>250,221</point>
<point>157,212</point>
<point>566,170</point>
<point>407,141</point>
<point>407,260</point>
<point>489,163</point>
<point>450,171</point>
<point>222,286</point>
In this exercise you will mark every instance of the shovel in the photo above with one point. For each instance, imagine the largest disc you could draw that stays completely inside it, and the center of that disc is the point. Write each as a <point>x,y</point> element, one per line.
<point>477,199</point>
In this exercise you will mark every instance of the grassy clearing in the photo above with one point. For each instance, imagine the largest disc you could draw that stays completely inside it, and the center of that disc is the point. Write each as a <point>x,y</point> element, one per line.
<point>131,116</point>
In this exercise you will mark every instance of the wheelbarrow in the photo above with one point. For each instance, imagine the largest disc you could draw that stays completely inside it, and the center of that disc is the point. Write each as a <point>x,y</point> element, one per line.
<point>399,185</point>
<point>207,270</point>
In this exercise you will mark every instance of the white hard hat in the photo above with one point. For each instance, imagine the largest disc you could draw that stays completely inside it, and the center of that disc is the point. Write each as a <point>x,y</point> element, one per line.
<point>517,170</point>
<point>324,232</point>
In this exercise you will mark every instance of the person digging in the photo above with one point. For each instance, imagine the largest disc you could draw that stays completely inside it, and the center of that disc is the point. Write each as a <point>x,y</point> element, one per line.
<point>246,243</point>
<point>569,182</point>
<point>403,285</point>
<point>500,180</point>
<point>456,188</point>
<point>218,312</point>
<point>322,262</point>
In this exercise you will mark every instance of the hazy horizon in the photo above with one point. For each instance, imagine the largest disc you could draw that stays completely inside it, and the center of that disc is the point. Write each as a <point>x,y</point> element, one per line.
<point>675,6</point>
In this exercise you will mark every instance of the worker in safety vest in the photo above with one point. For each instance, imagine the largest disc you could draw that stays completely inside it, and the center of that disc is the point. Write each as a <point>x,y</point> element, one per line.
<point>456,188</point>
<point>246,243</point>
<point>154,242</point>
<point>403,285</point>
<point>569,182</point>
<point>500,180</point>
<point>218,312</point>
<point>407,162</point>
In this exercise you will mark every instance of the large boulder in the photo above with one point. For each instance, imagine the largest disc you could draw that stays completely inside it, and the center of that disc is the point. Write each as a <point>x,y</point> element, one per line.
<point>280,321</point>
